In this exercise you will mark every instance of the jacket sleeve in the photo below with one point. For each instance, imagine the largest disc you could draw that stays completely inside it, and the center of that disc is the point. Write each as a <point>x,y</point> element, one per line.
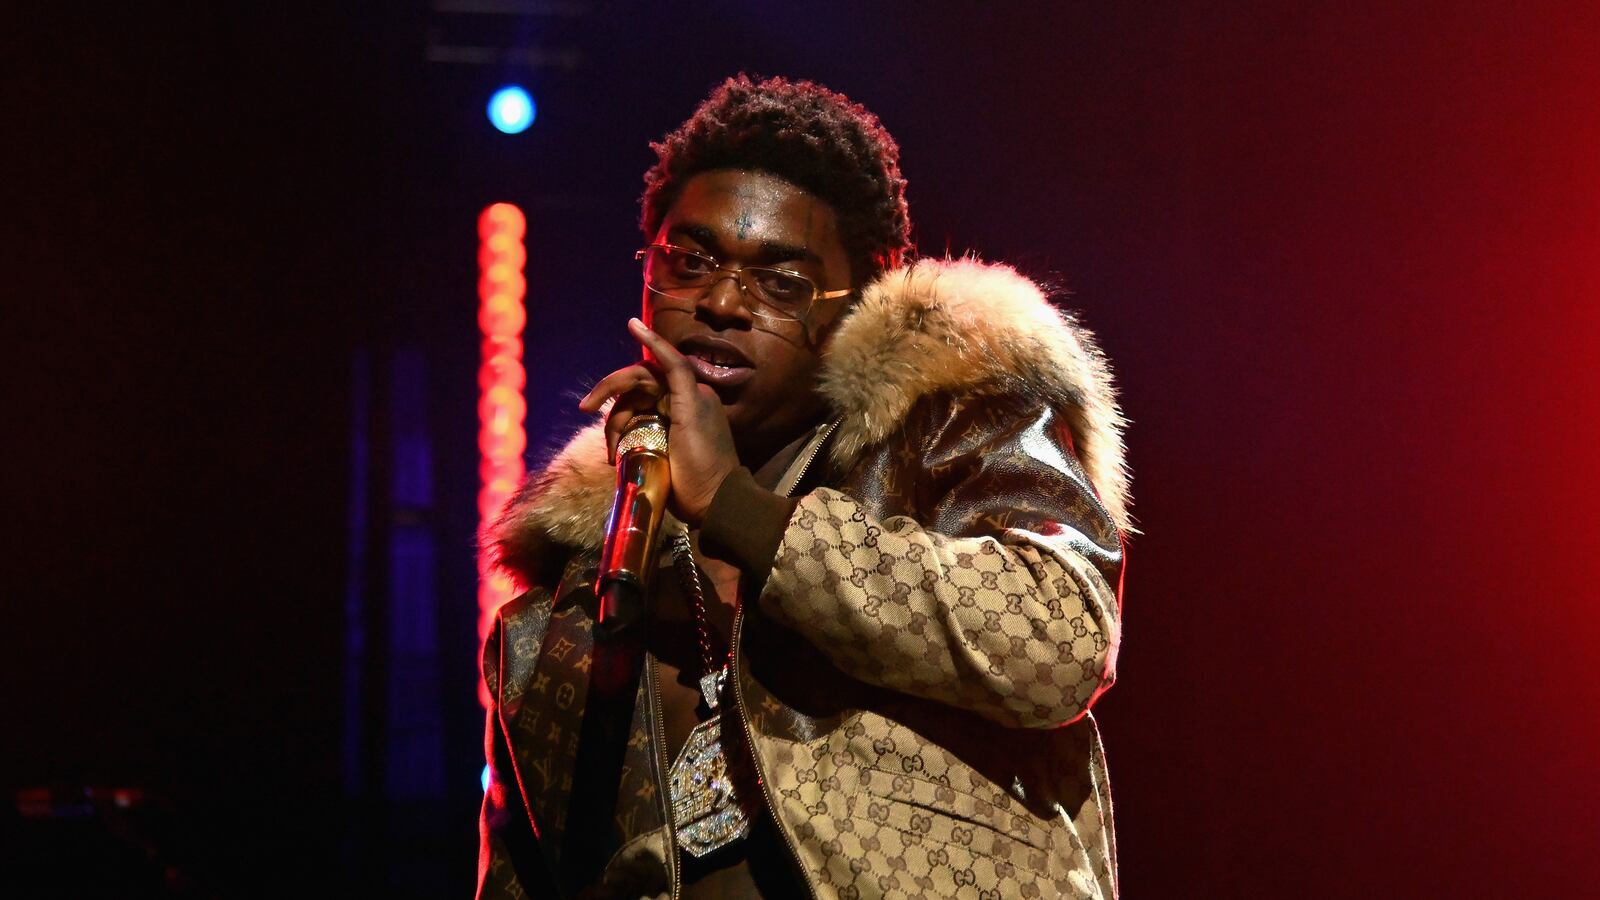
<point>510,864</point>
<point>999,595</point>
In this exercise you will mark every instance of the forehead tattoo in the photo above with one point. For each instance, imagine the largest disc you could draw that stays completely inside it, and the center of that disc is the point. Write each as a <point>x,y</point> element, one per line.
<point>745,222</point>
<point>742,194</point>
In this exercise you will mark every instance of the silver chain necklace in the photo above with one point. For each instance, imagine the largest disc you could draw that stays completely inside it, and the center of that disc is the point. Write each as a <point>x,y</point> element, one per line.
<point>707,811</point>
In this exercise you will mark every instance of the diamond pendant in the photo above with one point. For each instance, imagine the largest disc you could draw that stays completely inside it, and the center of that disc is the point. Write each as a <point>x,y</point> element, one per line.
<point>711,687</point>
<point>705,806</point>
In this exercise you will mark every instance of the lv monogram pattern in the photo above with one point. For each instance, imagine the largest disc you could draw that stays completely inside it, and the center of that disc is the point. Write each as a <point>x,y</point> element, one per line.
<point>545,657</point>
<point>507,665</point>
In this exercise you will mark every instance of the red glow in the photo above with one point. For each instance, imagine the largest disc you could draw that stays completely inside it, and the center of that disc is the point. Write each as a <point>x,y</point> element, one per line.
<point>502,248</point>
<point>490,501</point>
<point>502,369</point>
<point>500,438</point>
<point>490,469</point>
<point>507,346</point>
<point>502,218</point>
<point>501,379</point>
<point>503,405</point>
<point>502,314</point>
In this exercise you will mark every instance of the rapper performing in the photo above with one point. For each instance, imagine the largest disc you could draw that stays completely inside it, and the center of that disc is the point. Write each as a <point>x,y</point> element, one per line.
<point>820,602</point>
<point>574,450</point>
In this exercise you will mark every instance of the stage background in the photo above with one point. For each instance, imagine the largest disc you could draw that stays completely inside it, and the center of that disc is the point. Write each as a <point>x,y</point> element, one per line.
<point>1344,258</point>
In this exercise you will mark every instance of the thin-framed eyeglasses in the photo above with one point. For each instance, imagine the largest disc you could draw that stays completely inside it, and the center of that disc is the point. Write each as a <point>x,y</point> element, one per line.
<point>769,292</point>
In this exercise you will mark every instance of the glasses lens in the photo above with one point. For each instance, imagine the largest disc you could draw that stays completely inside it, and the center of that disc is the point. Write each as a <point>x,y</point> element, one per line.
<point>672,270</point>
<point>782,290</point>
<point>770,293</point>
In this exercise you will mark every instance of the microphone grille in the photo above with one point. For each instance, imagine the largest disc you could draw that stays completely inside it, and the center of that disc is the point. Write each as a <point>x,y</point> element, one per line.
<point>644,433</point>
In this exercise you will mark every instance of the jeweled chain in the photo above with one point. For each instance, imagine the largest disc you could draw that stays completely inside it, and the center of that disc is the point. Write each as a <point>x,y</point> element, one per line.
<point>683,557</point>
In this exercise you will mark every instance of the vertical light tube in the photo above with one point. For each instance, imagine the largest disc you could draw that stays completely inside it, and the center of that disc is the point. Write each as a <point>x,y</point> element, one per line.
<point>502,409</point>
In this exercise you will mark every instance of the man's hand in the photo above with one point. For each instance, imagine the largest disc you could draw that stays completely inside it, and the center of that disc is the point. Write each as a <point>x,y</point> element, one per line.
<point>701,445</point>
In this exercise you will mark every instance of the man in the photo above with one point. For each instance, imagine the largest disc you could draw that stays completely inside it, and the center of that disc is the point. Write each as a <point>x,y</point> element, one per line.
<point>889,591</point>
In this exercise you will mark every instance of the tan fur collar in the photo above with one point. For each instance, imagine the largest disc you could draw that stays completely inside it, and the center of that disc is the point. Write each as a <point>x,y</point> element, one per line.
<point>931,326</point>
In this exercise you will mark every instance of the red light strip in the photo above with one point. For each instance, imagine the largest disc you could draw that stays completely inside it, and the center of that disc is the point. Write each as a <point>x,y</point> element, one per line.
<point>502,410</point>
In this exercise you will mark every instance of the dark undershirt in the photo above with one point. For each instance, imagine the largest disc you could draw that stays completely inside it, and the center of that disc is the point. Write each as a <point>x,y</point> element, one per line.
<point>760,867</point>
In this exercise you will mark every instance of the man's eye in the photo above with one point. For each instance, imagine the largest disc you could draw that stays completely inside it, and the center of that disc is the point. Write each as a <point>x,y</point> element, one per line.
<point>782,286</point>
<point>689,264</point>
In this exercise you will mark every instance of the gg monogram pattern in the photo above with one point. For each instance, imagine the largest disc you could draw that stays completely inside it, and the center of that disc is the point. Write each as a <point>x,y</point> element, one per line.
<point>967,562</point>
<point>883,812</point>
<point>1019,629</point>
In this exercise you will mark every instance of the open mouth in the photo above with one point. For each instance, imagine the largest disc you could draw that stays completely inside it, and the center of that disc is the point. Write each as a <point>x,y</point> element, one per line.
<point>716,362</point>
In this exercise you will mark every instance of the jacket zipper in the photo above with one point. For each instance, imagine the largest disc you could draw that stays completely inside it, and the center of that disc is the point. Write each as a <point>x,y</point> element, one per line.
<point>660,729</point>
<point>816,451</point>
<point>755,758</point>
<point>744,711</point>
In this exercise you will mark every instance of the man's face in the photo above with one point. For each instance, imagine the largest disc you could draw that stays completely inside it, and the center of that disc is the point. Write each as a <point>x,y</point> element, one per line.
<point>764,370</point>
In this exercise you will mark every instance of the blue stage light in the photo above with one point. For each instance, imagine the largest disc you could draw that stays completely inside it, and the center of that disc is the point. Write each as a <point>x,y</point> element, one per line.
<point>486,779</point>
<point>512,110</point>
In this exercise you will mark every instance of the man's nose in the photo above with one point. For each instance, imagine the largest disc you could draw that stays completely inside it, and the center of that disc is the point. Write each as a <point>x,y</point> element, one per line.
<point>724,298</point>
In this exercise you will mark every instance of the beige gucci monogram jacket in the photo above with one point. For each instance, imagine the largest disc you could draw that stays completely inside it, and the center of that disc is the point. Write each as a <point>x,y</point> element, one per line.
<point>940,607</point>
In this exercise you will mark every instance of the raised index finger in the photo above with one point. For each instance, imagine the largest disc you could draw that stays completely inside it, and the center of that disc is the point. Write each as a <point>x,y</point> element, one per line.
<point>680,375</point>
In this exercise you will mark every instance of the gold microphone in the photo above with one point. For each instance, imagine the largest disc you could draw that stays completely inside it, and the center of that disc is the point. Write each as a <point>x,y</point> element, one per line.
<point>628,558</point>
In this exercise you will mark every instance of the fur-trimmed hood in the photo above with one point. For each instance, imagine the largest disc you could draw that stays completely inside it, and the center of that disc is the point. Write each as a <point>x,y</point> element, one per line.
<point>933,325</point>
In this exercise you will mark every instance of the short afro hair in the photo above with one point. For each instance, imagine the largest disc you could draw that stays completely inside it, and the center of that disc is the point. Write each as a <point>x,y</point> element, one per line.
<point>816,139</point>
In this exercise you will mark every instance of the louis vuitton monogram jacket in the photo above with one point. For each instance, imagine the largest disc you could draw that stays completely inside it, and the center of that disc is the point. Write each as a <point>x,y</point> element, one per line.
<point>940,608</point>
